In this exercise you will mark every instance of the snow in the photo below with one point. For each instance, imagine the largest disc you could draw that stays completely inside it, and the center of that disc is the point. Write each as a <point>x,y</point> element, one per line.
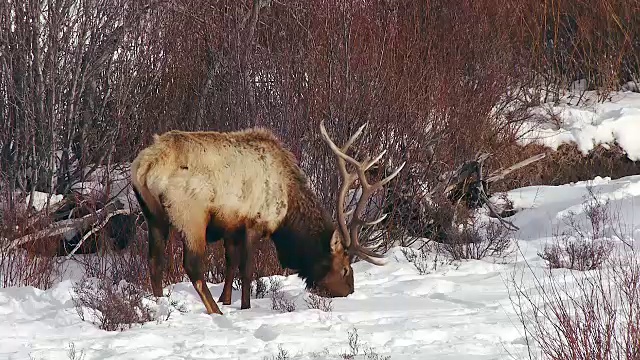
<point>545,209</point>
<point>40,199</point>
<point>589,123</point>
<point>119,185</point>
<point>456,310</point>
<point>395,310</point>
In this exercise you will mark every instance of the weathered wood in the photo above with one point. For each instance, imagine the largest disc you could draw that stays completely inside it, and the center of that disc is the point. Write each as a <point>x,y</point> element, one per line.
<point>71,227</point>
<point>97,228</point>
<point>502,173</point>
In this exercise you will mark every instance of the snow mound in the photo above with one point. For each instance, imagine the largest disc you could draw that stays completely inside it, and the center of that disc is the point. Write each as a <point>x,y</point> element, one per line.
<point>547,210</point>
<point>592,123</point>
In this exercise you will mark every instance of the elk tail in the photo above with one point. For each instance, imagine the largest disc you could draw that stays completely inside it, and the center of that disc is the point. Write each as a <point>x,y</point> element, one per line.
<point>140,167</point>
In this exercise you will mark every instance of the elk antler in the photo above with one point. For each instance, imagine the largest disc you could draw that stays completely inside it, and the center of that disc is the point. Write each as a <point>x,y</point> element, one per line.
<point>351,234</point>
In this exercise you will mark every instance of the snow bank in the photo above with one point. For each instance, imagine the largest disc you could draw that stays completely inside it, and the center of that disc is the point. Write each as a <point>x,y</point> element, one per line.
<point>545,210</point>
<point>589,124</point>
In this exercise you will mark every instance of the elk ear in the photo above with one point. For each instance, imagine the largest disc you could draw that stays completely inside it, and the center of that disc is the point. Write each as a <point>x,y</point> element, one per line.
<point>336,242</point>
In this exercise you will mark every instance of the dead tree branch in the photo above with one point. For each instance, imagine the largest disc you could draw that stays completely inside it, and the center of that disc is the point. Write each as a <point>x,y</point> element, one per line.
<point>71,227</point>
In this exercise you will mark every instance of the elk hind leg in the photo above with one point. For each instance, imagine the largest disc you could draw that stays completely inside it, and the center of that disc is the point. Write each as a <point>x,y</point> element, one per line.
<point>193,261</point>
<point>157,234</point>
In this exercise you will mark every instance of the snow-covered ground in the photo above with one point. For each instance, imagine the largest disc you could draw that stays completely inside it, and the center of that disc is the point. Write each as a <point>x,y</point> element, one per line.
<point>460,310</point>
<point>590,122</point>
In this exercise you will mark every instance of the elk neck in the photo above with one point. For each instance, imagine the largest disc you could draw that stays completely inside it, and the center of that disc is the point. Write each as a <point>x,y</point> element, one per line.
<point>303,239</point>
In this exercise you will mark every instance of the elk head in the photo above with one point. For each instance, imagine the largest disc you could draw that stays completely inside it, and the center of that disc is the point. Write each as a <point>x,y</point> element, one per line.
<point>345,242</point>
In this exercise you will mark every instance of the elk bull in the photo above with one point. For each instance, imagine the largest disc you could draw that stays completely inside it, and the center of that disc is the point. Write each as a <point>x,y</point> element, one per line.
<point>242,186</point>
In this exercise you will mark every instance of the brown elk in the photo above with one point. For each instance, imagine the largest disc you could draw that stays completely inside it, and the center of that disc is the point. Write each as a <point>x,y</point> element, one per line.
<point>242,186</point>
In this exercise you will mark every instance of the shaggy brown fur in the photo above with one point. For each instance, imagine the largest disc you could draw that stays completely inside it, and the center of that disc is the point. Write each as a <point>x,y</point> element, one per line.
<point>239,186</point>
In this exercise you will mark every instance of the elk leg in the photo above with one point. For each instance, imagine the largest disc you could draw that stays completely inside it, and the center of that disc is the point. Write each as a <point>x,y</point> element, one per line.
<point>231,263</point>
<point>157,235</point>
<point>193,261</point>
<point>246,265</point>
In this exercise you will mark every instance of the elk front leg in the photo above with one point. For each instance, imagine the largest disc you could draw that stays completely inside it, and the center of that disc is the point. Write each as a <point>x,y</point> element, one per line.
<point>246,265</point>
<point>231,264</point>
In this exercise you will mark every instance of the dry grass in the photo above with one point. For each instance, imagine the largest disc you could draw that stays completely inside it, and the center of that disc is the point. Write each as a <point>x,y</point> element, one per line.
<point>565,165</point>
<point>32,264</point>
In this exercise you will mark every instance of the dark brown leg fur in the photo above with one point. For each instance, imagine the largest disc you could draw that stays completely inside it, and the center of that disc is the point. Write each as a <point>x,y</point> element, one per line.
<point>157,238</point>
<point>157,235</point>
<point>246,265</point>
<point>231,264</point>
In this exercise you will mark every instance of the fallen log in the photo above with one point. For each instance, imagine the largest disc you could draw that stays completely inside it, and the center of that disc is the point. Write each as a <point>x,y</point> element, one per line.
<point>70,228</point>
<point>96,228</point>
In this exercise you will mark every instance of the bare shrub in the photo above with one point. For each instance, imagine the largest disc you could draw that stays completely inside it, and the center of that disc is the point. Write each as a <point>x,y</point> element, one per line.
<point>260,288</point>
<point>19,267</point>
<point>116,265</point>
<point>281,355</point>
<point>585,47</point>
<point>318,302</point>
<point>113,292</point>
<point>355,345</point>
<point>265,261</point>
<point>478,241</point>
<point>420,259</point>
<point>579,314</point>
<point>174,265</point>
<point>593,316</point>
<point>583,246</point>
<point>580,255</point>
<point>279,300</point>
<point>72,354</point>
<point>111,305</point>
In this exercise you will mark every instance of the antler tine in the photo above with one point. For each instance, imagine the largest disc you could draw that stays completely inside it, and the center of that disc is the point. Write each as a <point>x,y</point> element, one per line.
<point>368,163</point>
<point>376,221</point>
<point>393,175</point>
<point>367,191</point>
<point>350,234</point>
<point>342,152</point>
<point>353,137</point>
<point>347,178</point>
